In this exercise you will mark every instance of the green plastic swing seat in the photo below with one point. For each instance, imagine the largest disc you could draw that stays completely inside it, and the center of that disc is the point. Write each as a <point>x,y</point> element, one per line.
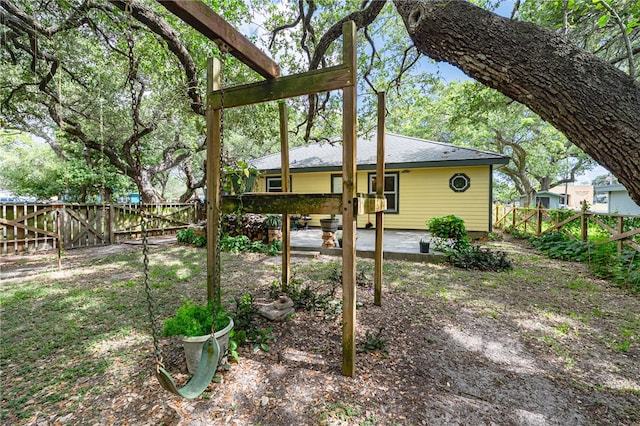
<point>204,374</point>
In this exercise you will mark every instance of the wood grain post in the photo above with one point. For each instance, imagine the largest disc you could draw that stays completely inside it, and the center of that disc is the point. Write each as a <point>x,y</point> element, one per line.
<point>379,254</point>
<point>213,200</point>
<point>620,229</point>
<point>112,223</point>
<point>59,232</point>
<point>539,220</point>
<point>286,221</point>
<point>348,193</point>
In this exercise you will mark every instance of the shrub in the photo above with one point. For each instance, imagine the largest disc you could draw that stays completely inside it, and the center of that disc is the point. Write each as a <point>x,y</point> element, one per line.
<point>556,245</point>
<point>245,324</point>
<point>273,221</point>
<point>481,259</point>
<point>448,228</point>
<point>243,243</point>
<point>185,236</point>
<point>192,319</point>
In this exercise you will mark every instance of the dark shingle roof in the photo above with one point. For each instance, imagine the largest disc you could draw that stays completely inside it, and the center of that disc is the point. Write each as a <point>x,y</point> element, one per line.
<point>400,152</point>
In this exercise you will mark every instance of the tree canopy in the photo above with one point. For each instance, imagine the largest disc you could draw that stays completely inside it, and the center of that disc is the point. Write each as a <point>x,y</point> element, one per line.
<point>80,74</point>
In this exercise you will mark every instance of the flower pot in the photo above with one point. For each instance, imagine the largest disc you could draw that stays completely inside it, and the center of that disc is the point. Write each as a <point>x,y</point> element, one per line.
<point>193,347</point>
<point>329,225</point>
<point>424,247</point>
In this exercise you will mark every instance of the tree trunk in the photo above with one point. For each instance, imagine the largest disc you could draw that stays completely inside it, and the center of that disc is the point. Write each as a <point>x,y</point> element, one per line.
<point>594,104</point>
<point>147,192</point>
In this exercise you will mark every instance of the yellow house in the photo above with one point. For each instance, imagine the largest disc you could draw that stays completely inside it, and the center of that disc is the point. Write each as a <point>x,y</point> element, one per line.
<point>423,179</point>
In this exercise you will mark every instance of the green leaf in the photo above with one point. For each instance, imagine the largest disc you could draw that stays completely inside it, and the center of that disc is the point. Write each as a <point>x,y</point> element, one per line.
<point>603,21</point>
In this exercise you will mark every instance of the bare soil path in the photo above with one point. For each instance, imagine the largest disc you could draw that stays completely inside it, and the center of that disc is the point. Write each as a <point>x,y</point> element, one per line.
<point>544,344</point>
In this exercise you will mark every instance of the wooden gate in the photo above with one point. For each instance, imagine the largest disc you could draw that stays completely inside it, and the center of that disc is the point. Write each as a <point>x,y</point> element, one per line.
<point>35,227</point>
<point>161,219</point>
<point>29,227</point>
<point>84,225</point>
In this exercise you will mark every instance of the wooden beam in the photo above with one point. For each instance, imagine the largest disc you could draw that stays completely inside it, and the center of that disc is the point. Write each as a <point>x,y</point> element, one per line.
<point>294,203</point>
<point>213,201</point>
<point>283,203</point>
<point>286,221</point>
<point>291,86</point>
<point>377,274</point>
<point>349,115</point>
<point>215,28</point>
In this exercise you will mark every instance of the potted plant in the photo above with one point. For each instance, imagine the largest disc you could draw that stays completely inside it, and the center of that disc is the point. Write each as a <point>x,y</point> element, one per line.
<point>192,322</point>
<point>329,224</point>
<point>424,246</point>
<point>274,225</point>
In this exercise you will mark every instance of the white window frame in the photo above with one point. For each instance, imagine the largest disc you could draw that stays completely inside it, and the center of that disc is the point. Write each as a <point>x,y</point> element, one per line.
<point>395,193</point>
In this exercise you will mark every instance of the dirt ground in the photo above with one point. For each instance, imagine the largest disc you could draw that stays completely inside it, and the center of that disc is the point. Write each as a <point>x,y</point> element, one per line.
<point>471,350</point>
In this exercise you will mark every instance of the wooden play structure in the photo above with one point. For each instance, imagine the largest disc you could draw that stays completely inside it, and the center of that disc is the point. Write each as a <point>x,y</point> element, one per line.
<point>277,88</point>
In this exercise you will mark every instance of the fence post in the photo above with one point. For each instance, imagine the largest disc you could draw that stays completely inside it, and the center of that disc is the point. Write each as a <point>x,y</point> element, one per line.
<point>539,218</point>
<point>112,223</point>
<point>513,217</point>
<point>584,223</point>
<point>620,231</point>
<point>59,232</point>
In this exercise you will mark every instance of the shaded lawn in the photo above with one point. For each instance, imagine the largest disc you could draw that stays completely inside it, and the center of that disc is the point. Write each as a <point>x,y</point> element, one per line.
<point>75,343</point>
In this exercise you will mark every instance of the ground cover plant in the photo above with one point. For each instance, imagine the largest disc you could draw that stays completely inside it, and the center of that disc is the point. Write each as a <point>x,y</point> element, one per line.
<point>546,343</point>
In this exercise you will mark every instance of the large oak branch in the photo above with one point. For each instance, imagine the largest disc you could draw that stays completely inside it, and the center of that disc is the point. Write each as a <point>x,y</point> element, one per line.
<point>594,104</point>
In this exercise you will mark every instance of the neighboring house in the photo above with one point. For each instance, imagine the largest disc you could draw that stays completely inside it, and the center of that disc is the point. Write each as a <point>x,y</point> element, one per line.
<point>573,196</point>
<point>423,179</point>
<point>549,200</point>
<point>619,200</point>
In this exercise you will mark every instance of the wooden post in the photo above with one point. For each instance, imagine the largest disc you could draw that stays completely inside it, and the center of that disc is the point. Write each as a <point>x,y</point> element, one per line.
<point>214,206</point>
<point>539,218</point>
<point>379,254</point>
<point>112,223</point>
<point>348,192</point>
<point>59,232</point>
<point>584,224</point>
<point>286,221</point>
<point>620,229</point>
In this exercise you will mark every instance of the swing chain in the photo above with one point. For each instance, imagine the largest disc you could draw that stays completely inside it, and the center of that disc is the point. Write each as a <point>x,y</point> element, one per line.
<point>223,49</point>
<point>138,158</point>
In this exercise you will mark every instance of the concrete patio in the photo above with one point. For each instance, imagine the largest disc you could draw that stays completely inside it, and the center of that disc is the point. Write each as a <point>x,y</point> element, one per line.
<point>397,244</point>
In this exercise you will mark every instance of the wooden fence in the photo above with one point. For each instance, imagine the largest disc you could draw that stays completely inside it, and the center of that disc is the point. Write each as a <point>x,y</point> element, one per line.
<point>583,225</point>
<point>33,227</point>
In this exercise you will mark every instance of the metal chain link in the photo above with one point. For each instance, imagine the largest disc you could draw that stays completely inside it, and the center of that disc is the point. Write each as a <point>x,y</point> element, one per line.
<point>138,158</point>
<point>223,57</point>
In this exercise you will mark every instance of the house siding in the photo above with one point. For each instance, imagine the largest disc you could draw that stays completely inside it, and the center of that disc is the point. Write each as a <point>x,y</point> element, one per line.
<point>424,194</point>
<point>621,203</point>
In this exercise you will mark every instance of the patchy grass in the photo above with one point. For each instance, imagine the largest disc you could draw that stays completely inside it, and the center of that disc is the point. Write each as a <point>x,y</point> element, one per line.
<point>78,339</point>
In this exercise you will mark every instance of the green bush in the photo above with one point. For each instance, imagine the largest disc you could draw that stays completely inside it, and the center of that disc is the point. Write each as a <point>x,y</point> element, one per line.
<point>556,245</point>
<point>192,319</point>
<point>448,228</point>
<point>245,324</point>
<point>185,236</point>
<point>481,259</point>
<point>234,244</point>
<point>242,243</point>
<point>200,241</point>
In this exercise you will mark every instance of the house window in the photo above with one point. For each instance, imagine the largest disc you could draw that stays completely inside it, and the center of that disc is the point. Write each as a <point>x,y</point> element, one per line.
<point>390,190</point>
<point>274,184</point>
<point>459,182</point>
<point>336,184</point>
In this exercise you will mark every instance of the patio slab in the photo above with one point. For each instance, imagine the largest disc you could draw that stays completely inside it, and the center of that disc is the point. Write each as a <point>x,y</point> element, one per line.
<point>397,244</point>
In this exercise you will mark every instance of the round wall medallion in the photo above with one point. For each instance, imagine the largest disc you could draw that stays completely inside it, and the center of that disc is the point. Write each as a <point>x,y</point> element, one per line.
<point>459,182</point>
